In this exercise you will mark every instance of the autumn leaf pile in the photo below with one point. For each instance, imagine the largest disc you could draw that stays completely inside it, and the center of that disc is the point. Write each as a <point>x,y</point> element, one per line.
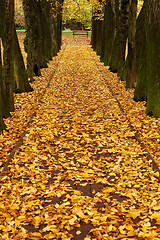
<point>80,173</point>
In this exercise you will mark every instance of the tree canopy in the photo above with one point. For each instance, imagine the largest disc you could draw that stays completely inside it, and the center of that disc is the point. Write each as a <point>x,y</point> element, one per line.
<point>77,11</point>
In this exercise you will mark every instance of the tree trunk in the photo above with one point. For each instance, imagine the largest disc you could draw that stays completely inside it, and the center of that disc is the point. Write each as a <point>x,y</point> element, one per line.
<point>118,55</point>
<point>94,31</point>
<point>108,33</point>
<point>152,23</point>
<point>59,24</point>
<point>34,46</point>
<point>43,34</point>
<point>141,86</point>
<point>115,53</point>
<point>131,78</point>
<point>2,125</point>
<point>20,76</point>
<point>97,27</point>
<point>6,33</point>
<point>99,36</point>
<point>50,46</point>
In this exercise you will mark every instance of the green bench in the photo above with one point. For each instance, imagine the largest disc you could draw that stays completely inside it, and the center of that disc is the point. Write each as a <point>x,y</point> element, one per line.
<point>80,32</point>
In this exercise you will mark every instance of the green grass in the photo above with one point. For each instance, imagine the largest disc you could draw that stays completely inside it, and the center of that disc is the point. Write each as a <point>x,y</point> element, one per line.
<point>69,32</point>
<point>20,30</point>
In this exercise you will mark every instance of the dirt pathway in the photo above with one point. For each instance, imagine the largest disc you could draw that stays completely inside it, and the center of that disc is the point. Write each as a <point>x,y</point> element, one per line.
<point>80,173</point>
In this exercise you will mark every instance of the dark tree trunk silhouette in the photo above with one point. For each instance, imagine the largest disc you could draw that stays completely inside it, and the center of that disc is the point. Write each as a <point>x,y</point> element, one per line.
<point>2,125</point>
<point>109,32</point>
<point>129,73</point>
<point>118,55</point>
<point>152,23</point>
<point>43,34</point>
<point>141,85</point>
<point>6,33</point>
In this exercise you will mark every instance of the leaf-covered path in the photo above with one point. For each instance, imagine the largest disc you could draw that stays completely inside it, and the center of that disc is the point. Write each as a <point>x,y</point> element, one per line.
<point>81,172</point>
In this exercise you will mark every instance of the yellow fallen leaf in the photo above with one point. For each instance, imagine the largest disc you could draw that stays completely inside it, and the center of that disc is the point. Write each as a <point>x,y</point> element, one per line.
<point>90,171</point>
<point>36,234</point>
<point>130,233</point>
<point>52,228</point>
<point>77,193</point>
<point>22,217</point>
<point>134,213</point>
<point>129,195</point>
<point>156,216</point>
<point>72,221</point>
<point>17,222</point>
<point>14,207</point>
<point>78,232</point>
<point>77,225</point>
<point>49,236</point>
<point>121,229</point>
<point>108,190</point>
<point>129,227</point>
<point>136,186</point>
<point>84,184</point>
<point>2,227</point>
<point>112,174</point>
<point>156,174</point>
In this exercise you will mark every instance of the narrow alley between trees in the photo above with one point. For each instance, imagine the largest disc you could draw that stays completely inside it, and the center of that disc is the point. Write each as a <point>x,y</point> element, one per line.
<point>81,169</point>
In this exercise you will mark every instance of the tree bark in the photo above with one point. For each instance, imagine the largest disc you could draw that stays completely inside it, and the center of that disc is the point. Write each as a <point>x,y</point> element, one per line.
<point>118,55</point>
<point>18,73</point>
<point>20,76</point>
<point>152,23</point>
<point>6,33</point>
<point>43,34</point>
<point>2,125</point>
<point>109,32</point>
<point>34,46</point>
<point>140,93</point>
<point>99,36</point>
<point>131,75</point>
<point>97,28</point>
<point>58,24</point>
<point>115,53</point>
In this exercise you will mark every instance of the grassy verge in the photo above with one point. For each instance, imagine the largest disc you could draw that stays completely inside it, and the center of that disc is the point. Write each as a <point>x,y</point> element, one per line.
<point>69,32</point>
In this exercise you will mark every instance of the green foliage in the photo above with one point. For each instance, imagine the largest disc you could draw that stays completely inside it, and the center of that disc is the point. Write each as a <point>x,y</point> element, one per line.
<point>77,11</point>
<point>19,15</point>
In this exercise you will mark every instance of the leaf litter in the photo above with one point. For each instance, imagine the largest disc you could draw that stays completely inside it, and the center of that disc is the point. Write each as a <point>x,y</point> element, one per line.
<point>80,166</point>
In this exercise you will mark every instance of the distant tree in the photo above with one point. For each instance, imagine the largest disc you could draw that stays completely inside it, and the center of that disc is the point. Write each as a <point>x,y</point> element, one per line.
<point>43,28</point>
<point>19,15</point>
<point>77,11</point>
<point>98,9</point>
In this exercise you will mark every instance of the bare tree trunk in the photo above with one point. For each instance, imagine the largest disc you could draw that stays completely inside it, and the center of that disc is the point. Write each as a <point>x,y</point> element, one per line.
<point>140,93</point>
<point>34,47</point>
<point>129,73</point>
<point>20,76</point>
<point>118,55</point>
<point>109,32</point>
<point>58,21</point>
<point>152,23</point>
<point>8,57</point>
<point>2,125</point>
<point>43,34</point>
<point>97,28</point>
